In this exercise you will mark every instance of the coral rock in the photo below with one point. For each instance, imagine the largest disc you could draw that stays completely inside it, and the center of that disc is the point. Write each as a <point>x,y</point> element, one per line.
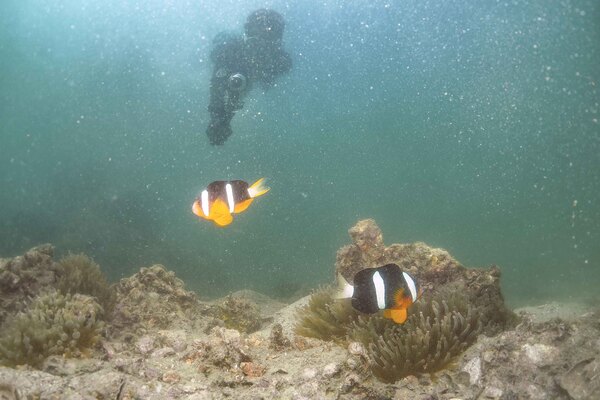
<point>239,313</point>
<point>540,354</point>
<point>145,344</point>
<point>366,250</point>
<point>171,377</point>
<point>331,370</point>
<point>252,370</point>
<point>24,277</point>
<point>278,341</point>
<point>150,300</point>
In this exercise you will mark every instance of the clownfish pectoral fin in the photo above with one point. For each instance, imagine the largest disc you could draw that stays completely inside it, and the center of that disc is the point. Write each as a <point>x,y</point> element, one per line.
<point>223,220</point>
<point>241,206</point>
<point>398,315</point>
<point>220,214</point>
<point>258,188</point>
<point>344,289</point>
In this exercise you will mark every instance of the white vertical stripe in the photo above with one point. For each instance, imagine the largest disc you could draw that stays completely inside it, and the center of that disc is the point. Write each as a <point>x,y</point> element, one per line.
<point>230,201</point>
<point>379,290</point>
<point>204,202</point>
<point>411,286</point>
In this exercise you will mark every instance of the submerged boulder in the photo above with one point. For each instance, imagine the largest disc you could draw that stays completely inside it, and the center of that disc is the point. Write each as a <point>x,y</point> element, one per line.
<point>152,299</point>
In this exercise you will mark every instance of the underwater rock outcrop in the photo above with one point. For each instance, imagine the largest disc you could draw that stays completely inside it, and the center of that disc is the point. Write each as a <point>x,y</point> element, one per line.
<point>53,324</point>
<point>238,313</point>
<point>24,277</point>
<point>151,299</point>
<point>457,304</point>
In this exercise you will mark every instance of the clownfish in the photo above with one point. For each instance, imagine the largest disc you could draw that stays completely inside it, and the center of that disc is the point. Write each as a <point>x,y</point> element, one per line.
<point>385,288</point>
<point>221,199</point>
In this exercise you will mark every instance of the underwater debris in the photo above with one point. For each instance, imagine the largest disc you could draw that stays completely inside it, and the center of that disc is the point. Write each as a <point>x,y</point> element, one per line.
<point>239,314</point>
<point>53,324</point>
<point>24,277</point>
<point>432,336</point>
<point>324,317</point>
<point>80,274</point>
<point>151,299</point>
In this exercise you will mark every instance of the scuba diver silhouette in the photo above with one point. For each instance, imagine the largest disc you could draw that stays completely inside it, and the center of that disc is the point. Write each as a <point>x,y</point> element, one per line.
<point>239,61</point>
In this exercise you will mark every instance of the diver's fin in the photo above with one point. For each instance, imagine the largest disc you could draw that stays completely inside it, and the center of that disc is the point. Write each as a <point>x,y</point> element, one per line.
<point>258,188</point>
<point>344,289</point>
<point>220,214</point>
<point>398,315</point>
<point>241,206</point>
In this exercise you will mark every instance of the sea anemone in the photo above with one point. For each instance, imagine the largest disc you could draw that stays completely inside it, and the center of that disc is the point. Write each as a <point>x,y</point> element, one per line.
<point>53,324</point>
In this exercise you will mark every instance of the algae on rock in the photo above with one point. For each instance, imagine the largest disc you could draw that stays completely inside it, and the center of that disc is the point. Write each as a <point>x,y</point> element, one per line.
<point>53,324</point>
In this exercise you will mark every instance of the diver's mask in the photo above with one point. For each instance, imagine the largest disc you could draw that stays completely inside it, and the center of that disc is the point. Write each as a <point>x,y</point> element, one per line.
<point>237,82</point>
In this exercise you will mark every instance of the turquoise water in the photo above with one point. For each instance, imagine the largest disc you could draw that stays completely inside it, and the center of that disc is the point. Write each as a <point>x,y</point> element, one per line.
<point>470,126</point>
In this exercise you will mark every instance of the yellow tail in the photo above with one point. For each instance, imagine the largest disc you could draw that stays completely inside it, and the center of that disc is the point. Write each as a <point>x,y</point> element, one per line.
<point>258,188</point>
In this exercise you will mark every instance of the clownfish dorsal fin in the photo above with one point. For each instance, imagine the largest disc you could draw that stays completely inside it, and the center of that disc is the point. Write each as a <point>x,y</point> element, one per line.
<point>344,289</point>
<point>258,188</point>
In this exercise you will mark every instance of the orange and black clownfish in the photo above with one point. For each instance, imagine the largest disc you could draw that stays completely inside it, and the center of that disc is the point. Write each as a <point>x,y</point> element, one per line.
<point>221,199</point>
<point>385,288</point>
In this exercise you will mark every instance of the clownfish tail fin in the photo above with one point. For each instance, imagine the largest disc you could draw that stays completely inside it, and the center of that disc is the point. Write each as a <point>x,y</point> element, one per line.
<point>344,289</point>
<point>258,188</point>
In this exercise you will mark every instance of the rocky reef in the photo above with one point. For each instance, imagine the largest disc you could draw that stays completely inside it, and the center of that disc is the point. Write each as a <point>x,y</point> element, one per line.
<point>162,342</point>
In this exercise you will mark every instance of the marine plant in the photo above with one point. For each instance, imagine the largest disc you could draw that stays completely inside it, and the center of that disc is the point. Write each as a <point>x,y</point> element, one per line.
<point>324,317</point>
<point>53,324</point>
<point>435,332</point>
<point>80,274</point>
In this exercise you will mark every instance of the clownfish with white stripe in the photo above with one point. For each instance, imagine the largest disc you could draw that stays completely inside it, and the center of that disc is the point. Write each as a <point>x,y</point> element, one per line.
<point>385,288</point>
<point>221,199</point>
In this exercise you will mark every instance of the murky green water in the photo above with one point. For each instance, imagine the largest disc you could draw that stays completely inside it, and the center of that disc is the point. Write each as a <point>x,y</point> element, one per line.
<point>470,126</point>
